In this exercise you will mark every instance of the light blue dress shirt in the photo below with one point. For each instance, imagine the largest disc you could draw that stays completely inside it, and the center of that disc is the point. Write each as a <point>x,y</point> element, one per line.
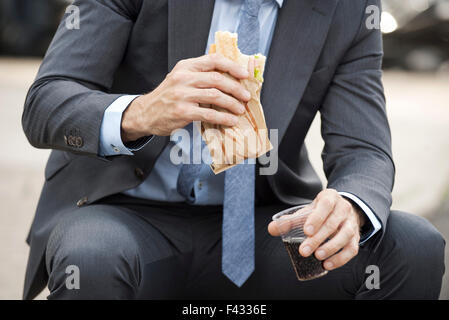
<point>209,188</point>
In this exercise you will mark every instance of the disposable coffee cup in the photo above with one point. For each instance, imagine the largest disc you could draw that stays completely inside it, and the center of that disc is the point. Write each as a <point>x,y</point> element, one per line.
<point>290,225</point>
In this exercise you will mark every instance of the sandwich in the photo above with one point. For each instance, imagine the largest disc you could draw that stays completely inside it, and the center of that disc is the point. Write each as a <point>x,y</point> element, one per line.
<point>230,146</point>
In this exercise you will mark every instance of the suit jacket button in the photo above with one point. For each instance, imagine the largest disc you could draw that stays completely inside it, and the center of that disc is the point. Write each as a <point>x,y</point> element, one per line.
<point>81,202</point>
<point>139,173</point>
<point>79,142</point>
<point>71,141</point>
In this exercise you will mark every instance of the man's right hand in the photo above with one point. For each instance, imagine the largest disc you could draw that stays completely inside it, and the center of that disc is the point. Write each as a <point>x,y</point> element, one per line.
<point>178,100</point>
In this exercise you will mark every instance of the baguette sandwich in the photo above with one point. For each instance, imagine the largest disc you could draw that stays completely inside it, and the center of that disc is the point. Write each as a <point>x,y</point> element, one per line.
<point>229,146</point>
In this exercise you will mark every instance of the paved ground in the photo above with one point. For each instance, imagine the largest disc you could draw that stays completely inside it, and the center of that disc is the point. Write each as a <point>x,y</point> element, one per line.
<point>441,219</point>
<point>419,115</point>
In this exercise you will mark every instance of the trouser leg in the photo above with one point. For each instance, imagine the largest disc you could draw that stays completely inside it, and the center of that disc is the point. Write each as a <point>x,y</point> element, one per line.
<point>410,259</point>
<point>118,255</point>
<point>121,254</point>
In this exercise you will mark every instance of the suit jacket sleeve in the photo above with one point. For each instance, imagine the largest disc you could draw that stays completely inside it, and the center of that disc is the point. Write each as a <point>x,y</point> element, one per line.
<point>70,93</point>
<point>357,155</point>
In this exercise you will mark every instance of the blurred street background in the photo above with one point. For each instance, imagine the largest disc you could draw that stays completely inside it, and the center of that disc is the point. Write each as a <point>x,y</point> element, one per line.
<point>416,80</point>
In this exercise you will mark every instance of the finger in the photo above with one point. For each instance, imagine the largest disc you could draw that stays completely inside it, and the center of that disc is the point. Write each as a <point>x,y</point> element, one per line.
<point>212,116</point>
<point>273,229</point>
<point>344,256</point>
<point>218,62</point>
<point>217,98</point>
<point>280,227</point>
<point>286,222</point>
<point>330,227</point>
<point>336,243</point>
<point>222,83</point>
<point>324,205</point>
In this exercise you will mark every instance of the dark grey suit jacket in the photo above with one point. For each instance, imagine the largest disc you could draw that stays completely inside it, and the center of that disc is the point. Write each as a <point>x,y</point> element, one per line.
<point>322,58</point>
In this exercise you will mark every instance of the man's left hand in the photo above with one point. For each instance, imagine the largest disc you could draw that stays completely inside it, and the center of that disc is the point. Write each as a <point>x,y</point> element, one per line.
<point>335,218</point>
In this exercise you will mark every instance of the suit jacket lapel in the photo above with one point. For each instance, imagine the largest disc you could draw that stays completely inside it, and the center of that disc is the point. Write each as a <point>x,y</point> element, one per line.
<point>300,34</point>
<point>188,28</point>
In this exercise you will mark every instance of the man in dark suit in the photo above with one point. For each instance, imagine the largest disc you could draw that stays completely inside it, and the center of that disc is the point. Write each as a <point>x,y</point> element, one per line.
<point>137,225</point>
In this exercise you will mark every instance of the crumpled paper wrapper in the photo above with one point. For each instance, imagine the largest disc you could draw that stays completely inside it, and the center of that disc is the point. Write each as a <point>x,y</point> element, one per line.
<point>229,146</point>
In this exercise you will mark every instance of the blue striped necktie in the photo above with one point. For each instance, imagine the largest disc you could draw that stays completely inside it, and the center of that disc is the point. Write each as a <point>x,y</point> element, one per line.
<point>238,206</point>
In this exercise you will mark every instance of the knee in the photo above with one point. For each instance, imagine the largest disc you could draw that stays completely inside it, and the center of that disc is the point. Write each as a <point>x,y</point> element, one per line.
<point>93,241</point>
<point>416,243</point>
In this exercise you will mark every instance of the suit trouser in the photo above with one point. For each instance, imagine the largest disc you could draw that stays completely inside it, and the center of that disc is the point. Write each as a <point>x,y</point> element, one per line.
<point>127,248</point>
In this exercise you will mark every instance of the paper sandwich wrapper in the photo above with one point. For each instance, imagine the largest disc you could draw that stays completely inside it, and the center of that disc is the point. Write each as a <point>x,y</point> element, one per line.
<point>229,146</point>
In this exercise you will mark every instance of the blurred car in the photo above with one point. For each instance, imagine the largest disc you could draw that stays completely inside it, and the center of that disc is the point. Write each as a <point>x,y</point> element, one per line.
<point>27,26</point>
<point>416,34</point>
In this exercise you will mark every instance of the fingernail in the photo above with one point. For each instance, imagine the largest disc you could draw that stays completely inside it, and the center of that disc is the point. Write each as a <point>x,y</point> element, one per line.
<point>328,265</point>
<point>245,73</point>
<point>309,229</point>
<point>320,254</point>
<point>247,94</point>
<point>306,250</point>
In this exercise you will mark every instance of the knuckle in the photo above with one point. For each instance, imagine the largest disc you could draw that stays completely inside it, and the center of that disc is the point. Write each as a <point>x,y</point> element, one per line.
<point>208,116</point>
<point>346,206</point>
<point>330,247</point>
<point>353,250</point>
<point>340,215</point>
<point>321,194</point>
<point>181,64</point>
<point>213,94</point>
<point>218,57</point>
<point>314,242</point>
<point>334,249</point>
<point>237,87</point>
<point>177,77</point>
<point>315,219</point>
<point>349,231</point>
<point>216,77</point>
<point>214,58</point>
<point>356,230</point>
<point>332,224</point>
<point>327,201</point>
<point>179,111</point>
<point>319,219</point>
<point>336,260</point>
<point>340,218</point>
<point>343,257</point>
<point>177,94</point>
<point>169,76</point>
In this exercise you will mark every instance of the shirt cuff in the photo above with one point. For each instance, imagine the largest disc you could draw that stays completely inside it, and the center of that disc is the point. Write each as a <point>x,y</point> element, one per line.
<point>111,143</point>
<point>375,223</point>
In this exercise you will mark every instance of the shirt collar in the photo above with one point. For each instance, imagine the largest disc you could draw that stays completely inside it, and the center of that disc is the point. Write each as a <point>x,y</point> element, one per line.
<point>279,2</point>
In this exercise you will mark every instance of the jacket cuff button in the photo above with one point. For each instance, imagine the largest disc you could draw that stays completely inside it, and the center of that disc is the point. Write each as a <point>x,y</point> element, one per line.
<point>81,202</point>
<point>79,142</point>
